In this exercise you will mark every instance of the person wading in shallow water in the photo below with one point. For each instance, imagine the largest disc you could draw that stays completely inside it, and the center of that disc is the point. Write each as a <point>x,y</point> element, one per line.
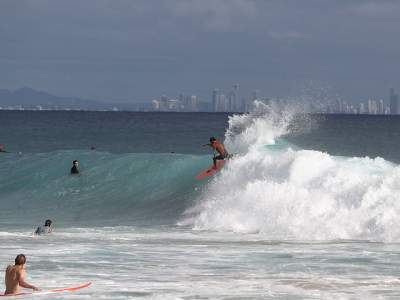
<point>15,277</point>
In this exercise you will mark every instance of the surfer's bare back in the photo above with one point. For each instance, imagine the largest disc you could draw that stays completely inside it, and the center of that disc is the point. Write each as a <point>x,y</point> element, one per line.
<point>15,277</point>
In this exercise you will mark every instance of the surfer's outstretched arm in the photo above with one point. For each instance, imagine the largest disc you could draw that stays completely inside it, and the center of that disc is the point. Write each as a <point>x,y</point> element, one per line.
<point>24,284</point>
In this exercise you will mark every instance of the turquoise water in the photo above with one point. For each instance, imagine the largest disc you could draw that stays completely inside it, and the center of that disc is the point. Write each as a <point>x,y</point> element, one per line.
<point>111,188</point>
<point>284,219</point>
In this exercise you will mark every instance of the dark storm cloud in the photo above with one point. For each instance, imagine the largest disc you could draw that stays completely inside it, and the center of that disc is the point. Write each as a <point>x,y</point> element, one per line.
<point>140,49</point>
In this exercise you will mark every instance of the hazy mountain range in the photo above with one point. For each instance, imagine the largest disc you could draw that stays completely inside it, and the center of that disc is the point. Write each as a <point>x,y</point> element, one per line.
<point>28,98</point>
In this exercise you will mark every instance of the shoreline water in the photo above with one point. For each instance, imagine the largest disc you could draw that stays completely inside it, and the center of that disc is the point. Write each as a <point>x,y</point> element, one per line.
<point>160,263</point>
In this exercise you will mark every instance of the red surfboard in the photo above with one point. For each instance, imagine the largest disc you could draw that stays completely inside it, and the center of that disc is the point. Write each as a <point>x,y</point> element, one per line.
<point>210,171</point>
<point>68,289</point>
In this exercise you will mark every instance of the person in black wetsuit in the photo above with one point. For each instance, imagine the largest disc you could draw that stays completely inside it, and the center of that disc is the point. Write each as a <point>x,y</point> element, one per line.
<point>74,169</point>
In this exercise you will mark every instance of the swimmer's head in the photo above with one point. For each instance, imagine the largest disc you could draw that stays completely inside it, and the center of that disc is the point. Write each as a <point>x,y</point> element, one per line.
<point>212,139</point>
<point>75,162</point>
<point>47,223</point>
<point>20,260</point>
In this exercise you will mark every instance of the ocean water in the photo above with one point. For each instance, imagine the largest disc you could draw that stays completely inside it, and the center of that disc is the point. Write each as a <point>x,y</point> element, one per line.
<point>308,208</point>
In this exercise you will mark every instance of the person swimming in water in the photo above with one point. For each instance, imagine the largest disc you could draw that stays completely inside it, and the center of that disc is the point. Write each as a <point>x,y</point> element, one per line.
<point>219,148</point>
<point>46,229</point>
<point>74,169</point>
<point>15,277</point>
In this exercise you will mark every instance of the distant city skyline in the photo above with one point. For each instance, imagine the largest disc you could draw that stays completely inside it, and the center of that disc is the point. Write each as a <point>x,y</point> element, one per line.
<point>222,103</point>
<point>218,101</point>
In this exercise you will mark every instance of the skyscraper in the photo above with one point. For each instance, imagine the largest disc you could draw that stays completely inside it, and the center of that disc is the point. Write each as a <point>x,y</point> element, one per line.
<point>222,103</point>
<point>237,104</point>
<point>381,107</point>
<point>215,96</point>
<point>193,103</point>
<point>339,106</point>
<point>394,102</point>
<point>362,108</point>
<point>231,101</point>
<point>164,103</point>
<point>182,97</point>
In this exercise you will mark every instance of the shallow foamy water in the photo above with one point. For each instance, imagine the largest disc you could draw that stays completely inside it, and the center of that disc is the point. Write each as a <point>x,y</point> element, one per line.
<point>177,263</point>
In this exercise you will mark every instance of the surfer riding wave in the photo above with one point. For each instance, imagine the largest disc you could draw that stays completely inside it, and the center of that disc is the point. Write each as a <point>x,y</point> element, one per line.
<point>219,148</point>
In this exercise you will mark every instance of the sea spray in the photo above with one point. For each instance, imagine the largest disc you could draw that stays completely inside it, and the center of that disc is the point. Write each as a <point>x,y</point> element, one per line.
<point>297,194</point>
<point>261,126</point>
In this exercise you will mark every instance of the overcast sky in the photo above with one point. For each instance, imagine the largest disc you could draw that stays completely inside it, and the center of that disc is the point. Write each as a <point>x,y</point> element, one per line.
<point>136,50</point>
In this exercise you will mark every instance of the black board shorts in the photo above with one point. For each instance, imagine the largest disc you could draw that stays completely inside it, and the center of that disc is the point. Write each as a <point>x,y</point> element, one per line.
<point>220,157</point>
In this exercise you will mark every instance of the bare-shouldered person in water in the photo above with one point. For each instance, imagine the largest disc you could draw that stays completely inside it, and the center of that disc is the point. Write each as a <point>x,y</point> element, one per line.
<point>15,277</point>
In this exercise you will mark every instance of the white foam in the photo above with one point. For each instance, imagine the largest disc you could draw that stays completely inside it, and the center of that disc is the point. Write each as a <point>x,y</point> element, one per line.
<point>297,194</point>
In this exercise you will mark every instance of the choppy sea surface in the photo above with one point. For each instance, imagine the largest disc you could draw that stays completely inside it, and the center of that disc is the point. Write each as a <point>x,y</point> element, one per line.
<point>308,208</point>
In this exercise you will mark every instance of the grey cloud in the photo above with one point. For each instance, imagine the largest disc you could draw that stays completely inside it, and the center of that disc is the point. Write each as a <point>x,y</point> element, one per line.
<point>376,9</point>
<point>221,15</point>
<point>140,49</point>
<point>288,35</point>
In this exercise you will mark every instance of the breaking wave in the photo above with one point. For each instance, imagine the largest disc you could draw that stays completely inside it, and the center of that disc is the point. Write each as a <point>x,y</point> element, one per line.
<point>281,192</point>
